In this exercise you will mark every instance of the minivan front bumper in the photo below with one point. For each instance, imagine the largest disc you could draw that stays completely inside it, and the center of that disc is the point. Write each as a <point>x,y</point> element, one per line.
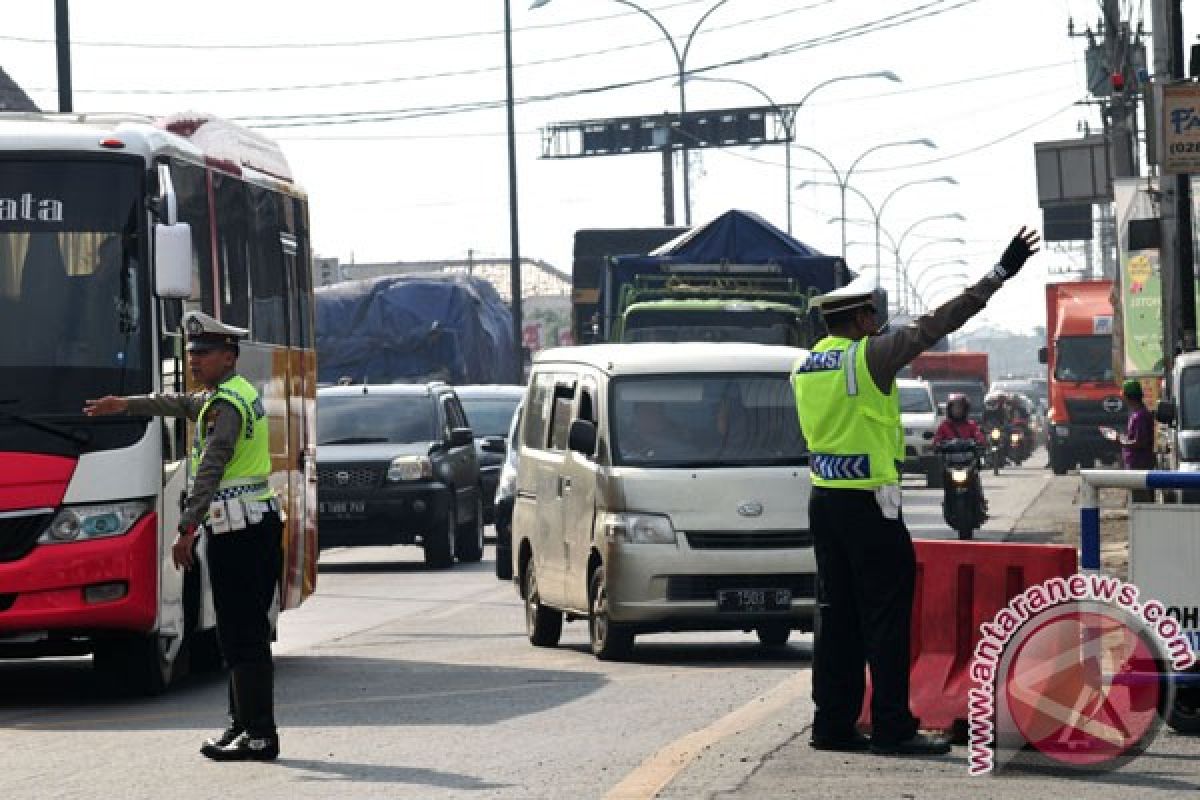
<point>670,587</point>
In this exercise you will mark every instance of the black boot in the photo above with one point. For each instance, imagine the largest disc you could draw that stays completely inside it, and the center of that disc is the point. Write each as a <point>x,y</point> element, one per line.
<point>235,728</point>
<point>253,690</point>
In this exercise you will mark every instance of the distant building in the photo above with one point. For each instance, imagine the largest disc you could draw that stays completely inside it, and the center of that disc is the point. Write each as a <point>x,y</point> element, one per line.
<point>12,96</point>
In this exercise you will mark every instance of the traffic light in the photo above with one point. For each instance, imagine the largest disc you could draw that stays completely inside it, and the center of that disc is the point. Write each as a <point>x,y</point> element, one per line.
<point>1117,81</point>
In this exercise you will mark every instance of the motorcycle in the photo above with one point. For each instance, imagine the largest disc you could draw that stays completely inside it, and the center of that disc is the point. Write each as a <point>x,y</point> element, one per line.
<point>962,498</point>
<point>1020,442</point>
<point>997,448</point>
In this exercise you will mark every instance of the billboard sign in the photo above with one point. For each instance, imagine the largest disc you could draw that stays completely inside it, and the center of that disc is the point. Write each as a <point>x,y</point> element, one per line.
<point>1181,128</point>
<point>1140,287</point>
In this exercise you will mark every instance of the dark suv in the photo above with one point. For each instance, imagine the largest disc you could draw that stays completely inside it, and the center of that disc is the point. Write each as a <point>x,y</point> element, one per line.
<point>490,411</point>
<point>396,464</point>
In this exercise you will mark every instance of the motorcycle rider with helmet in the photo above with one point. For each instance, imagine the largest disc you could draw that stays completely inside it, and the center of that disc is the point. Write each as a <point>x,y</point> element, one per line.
<point>959,425</point>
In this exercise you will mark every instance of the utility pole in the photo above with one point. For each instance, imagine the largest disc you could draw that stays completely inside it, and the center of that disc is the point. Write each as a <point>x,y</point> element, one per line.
<point>1175,201</point>
<point>1119,112</point>
<point>62,39</point>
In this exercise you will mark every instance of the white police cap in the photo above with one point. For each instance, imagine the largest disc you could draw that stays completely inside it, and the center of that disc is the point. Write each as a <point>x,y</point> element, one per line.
<point>205,333</point>
<point>858,293</point>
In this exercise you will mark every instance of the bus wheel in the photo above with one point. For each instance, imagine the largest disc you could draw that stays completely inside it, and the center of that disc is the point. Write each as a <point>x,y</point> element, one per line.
<point>134,665</point>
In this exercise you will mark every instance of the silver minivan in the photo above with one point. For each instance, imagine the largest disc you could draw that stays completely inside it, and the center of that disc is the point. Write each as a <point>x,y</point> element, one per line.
<point>662,488</point>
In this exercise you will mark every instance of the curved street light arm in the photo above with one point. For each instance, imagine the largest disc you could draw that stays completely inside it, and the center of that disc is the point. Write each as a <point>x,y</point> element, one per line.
<point>892,193</point>
<point>825,158</point>
<point>932,218</point>
<point>695,29</point>
<point>666,33</point>
<point>935,279</point>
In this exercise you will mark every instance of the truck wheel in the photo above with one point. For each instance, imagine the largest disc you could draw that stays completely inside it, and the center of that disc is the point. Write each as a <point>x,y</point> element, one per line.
<point>611,641</point>
<point>469,543</point>
<point>1184,716</point>
<point>133,665</point>
<point>543,625</point>
<point>440,545</point>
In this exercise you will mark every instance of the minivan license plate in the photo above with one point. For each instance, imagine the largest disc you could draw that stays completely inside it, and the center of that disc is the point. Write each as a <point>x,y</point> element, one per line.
<point>754,600</point>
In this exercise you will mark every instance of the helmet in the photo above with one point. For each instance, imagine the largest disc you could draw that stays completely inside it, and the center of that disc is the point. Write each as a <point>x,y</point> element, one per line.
<point>995,401</point>
<point>958,399</point>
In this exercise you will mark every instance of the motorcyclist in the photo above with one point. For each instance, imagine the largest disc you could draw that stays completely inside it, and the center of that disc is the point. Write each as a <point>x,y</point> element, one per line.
<point>957,424</point>
<point>996,412</point>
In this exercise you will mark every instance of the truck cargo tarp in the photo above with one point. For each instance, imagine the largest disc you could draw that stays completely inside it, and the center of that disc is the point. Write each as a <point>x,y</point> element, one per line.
<point>414,328</point>
<point>741,237</point>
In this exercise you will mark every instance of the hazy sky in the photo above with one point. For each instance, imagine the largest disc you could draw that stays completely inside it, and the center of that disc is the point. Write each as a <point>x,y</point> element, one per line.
<point>984,79</point>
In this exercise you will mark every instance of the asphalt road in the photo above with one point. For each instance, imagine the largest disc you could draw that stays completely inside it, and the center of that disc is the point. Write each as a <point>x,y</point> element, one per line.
<point>397,681</point>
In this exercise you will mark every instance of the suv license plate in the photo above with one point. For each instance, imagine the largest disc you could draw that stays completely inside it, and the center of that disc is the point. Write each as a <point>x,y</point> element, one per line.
<point>344,507</point>
<point>754,600</point>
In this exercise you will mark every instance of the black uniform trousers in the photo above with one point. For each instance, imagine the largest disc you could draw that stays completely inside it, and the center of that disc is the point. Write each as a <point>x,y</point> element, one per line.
<point>244,568</point>
<point>866,569</point>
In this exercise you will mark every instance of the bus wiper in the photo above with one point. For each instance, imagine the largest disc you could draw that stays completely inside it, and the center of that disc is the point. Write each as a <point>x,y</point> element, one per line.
<point>79,438</point>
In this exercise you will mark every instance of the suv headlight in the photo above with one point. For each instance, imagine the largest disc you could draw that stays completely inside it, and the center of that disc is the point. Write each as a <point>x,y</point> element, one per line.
<point>639,529</point>
<point>410,468</point>
<point>82,523</point>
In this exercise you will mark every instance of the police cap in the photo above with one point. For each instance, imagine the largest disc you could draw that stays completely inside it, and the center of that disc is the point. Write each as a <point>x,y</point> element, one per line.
<point>205,333</point>
<point>858,293</point>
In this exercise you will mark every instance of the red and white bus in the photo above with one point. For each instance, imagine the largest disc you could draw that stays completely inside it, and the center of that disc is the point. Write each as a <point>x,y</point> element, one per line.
<point>111,227</point>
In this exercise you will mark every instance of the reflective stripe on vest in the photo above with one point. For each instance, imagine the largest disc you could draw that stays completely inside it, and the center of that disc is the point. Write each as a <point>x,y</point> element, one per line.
<point>250,465</point>
<point>852,429</point>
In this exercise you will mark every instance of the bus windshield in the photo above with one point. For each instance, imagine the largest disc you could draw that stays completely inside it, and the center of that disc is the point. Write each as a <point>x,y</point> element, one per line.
<point>74,299</point>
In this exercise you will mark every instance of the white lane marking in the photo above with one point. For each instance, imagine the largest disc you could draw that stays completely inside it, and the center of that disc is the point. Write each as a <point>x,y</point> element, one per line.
<point>653,774</point>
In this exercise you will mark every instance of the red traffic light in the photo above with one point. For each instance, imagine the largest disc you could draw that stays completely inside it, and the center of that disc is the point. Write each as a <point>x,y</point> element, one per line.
<point>1118,82</point>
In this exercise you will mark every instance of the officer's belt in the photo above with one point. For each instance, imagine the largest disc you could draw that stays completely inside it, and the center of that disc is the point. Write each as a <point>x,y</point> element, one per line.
<point>239,489</point>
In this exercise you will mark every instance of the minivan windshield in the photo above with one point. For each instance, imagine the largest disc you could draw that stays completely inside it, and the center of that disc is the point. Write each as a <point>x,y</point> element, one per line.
<point>367,418</point>
<point>709,420</point>
<point>915,400</point>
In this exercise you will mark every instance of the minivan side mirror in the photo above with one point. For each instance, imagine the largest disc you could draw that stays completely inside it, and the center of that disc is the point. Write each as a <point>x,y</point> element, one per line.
<point>581,437</point>
<point>1165,412</point>
<point>461,437</point>
<point>1043,355</point>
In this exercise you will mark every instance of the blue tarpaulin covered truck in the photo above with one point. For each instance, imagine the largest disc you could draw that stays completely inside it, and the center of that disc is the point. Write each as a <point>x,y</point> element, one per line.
<point>737,278</point>
<point>412,329</point>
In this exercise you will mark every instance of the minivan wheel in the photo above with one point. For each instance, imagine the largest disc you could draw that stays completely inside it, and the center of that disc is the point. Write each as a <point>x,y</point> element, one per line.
<point>470,536</point>
<point>611,641</point>
<point>440,545</point>
<point>775,634</point>
<point>543,625</point>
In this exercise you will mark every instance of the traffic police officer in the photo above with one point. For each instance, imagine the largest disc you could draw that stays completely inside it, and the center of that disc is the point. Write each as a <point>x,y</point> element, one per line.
<point>849,413</point>
<point>229,500</point>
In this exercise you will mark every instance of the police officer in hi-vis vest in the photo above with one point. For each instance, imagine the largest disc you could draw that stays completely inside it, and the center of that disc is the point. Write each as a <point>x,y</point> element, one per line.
<point>850,415</point>
<point>229,500</point>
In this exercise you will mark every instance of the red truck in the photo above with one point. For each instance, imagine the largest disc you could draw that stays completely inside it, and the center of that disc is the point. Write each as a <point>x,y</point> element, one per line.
<point>1082,390</point>
<point>954,372</point>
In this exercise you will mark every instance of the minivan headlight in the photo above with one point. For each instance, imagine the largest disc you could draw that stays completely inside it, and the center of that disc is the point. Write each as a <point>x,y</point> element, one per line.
<point>99,521</point>
<point>410,468</point>
<point>639,529</point>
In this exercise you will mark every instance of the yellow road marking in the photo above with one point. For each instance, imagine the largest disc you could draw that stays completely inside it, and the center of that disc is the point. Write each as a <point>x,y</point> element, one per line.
<point>653,774</point>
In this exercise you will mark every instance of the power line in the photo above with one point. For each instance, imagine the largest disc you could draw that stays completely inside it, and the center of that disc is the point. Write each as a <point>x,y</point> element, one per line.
<point>914,14</point>
<point>363,43</point>
<point>437,75</point>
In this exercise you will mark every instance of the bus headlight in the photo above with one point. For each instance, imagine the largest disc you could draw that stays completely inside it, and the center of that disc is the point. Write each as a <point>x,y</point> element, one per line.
<point>410,468</point>
<point>82,523</point>
<point>639,529</point>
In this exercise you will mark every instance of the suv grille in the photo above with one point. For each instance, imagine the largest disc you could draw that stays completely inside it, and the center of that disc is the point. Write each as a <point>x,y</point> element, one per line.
<point>705,587</point>
<point>749,540</point>
<point>18,534</point>
<point>349,477</point>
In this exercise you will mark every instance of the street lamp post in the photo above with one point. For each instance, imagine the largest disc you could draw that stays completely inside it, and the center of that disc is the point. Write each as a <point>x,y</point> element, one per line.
<point>932,218</point>
<point>883,206</point>
<point>681,69</point>
<point>930,243</point>
<point>917,287</point>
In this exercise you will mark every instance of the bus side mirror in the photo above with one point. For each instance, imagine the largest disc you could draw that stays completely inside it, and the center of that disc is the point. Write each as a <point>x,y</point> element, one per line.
<point>1165,412</point>
<point>173,260</point>
<point>1043,356</point>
